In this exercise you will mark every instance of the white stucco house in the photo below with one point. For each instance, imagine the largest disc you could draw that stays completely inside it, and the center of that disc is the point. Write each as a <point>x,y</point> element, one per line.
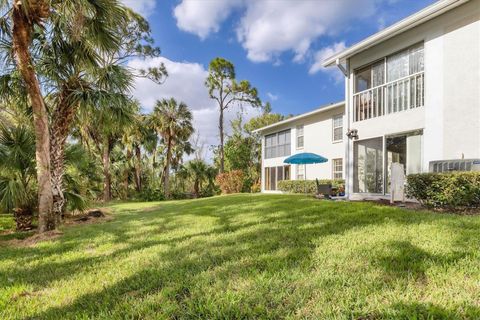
<point>412,95</point>
<point>320,131</point>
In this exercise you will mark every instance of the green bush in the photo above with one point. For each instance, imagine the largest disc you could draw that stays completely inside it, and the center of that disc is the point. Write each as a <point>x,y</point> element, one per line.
<point>299,186</point>
<point>453,190</point>
<point>151,195</point>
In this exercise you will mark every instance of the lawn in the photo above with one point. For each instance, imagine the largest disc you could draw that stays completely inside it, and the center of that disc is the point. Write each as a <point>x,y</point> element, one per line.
<point>250,256</point>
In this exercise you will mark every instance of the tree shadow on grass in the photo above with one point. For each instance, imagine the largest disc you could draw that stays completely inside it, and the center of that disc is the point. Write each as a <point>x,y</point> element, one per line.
<point>247,236</point>
<point>423,311</point>
<point>407,261</point>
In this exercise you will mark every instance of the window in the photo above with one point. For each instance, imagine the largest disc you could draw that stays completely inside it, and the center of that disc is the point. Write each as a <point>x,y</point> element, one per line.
<point>393,84</point>
<point>337,128</point>
<point>370,76</point>
<point>300,172</point>
<point>277,144</point>
<point>337,166</point>
<point>275,174</point>
<point>399,65</point>
<point>300,136</point>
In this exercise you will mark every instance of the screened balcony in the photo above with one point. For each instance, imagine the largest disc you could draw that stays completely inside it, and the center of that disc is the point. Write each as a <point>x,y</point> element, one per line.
<point>393,84</point>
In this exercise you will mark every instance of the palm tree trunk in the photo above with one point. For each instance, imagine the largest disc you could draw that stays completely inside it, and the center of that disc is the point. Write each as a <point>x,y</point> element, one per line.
<point>166,176</point>
<point>107,181</point>
<point>222,155</point>
<point>61,121</point>
<point>126,174</point>
<point>138,169</point>
<point>196,189</point>
<point>21,33</point>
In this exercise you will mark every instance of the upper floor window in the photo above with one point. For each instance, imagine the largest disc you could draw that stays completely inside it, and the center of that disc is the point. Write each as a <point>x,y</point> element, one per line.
<point>277,144</point>
<point>300,138</point>
<point>396,66</point>
<point>393,84</point>
<point>337,128</point>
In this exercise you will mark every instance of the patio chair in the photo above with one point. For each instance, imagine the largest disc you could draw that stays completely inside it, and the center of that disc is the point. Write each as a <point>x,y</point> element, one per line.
<point>324,189</point>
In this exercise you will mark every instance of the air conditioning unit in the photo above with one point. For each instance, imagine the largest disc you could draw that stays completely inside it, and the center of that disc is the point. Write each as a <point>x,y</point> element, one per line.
<point>455,165</point>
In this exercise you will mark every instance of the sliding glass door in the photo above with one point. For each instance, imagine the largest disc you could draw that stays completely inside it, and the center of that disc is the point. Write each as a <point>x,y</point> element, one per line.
<point>373,161</point>
<point>405,149</point>
<point>275,174</point>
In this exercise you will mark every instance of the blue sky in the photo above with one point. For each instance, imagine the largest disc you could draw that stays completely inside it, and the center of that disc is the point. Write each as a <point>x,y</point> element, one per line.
<point>273,44</point>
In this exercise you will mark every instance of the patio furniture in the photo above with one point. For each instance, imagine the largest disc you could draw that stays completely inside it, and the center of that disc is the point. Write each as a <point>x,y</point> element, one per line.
<point>324,189</point>
<point>305,158</point>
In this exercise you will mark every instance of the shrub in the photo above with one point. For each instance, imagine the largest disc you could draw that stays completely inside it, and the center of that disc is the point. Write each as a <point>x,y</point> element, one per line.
<point>230,182</point>
<point>151,195</point>
<point>453,190</point>
<point>256,187</point>
<point>299,186</point>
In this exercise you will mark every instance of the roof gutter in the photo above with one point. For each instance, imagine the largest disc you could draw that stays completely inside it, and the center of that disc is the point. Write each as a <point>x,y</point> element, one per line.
<point>301,116</point>
<point>406,24</point>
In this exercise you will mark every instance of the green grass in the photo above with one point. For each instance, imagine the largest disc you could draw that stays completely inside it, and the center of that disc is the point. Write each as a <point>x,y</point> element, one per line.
<point>6,222</point>
<point>250,256</point>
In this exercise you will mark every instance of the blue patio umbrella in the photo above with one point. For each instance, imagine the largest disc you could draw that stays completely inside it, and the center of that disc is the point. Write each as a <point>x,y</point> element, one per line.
<point>305,158</point>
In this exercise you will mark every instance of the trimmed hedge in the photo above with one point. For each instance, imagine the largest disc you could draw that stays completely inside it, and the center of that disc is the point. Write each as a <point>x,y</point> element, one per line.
<point>298,186</point>
<point>452,190</point>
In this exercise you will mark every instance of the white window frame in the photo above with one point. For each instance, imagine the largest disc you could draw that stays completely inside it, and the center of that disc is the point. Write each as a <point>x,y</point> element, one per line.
<point>274,149</point>
<point>338,116</point>
<point>300,127</point>
<point>334,168</point>
<point>300,172</point>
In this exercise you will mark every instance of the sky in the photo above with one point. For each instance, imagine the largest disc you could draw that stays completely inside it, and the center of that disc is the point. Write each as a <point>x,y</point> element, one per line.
<point>277,45</point>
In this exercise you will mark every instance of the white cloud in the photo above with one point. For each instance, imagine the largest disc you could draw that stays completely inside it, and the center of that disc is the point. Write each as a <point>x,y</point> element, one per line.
<point>269,28</point>
<point>272,27</point>
<point>144,7</point>
<point>323,54</point>
<point>203,17</point>
<point>272,97</point>
<point>186,83</point>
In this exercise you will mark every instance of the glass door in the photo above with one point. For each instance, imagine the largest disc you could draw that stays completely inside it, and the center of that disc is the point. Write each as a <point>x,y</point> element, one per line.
<point>405,149</point>
<point>368,168</point>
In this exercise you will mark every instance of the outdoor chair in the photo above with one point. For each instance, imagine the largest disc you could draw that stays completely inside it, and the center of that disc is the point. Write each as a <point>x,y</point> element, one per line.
<point>324,189</point>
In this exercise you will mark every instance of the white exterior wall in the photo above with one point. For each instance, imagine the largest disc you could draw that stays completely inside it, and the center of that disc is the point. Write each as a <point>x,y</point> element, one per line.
<point>318,138</point>
<point>450,118</point>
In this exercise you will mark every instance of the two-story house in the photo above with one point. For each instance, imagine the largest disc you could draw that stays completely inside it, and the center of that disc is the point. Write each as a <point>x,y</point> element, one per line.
<point>320,131</point>
<point>413,96</point>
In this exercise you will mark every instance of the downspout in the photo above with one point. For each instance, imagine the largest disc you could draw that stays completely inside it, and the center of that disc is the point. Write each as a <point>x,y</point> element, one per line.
<point>345,70</point>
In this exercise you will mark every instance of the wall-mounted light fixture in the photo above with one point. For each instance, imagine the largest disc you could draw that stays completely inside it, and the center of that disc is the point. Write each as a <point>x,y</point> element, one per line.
<point>352,134</point>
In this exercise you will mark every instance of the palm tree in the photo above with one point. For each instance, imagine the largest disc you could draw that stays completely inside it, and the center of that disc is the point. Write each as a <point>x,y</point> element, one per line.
<point>100,127</point>
<point>17,174</point>
<point>18,31</point>
<point>198,172</point>
<point>173,122</point>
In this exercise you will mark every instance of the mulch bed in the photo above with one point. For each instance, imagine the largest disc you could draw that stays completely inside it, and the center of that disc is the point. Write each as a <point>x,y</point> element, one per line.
<point>418,206</point>
<point>87,217</point>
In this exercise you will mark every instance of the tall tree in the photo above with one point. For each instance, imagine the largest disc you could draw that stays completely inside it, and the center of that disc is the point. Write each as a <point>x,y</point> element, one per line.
<point>226,91</point>
<point>25,17</point>
<point>100,127</point>
<point>173,122</point>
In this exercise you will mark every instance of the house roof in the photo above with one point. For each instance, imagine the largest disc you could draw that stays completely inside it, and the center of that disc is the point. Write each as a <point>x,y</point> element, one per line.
<point>321,109</point>
<point>408,23</point>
